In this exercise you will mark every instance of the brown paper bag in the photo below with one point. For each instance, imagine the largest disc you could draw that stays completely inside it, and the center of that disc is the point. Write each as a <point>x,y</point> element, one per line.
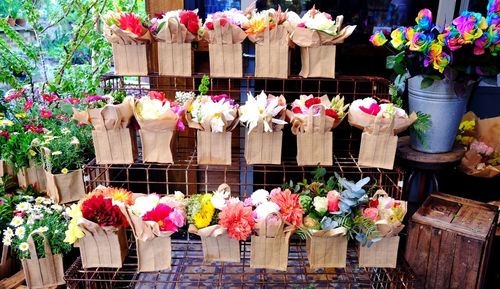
<point>65,188</point>
<point>42,272</point>
<point>216,244</point>
<point>213,148</point>
<point>33,175</point>
<point>378,145</point>
<point>269,249</point>
<point>327,248</point>
<point>6,169</point>
<point>5,262</point>
<point>383,253</point>
<point>102,247</point>
<point>156,146</point>
<point>263,147</point>
<point>225,50</point>
<point>272,52</point>
<point>318,61</point>
<point>174,49</point>
<point>114,142</point>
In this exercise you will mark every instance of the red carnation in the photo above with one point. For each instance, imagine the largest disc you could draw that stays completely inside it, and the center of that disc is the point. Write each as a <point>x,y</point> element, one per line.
<point>374,109</point>
<point>101,211</point>
<point>312,101</point>
<point>296,110</point>
<point>210,25</point>
<point>332,113</point>
<point>373,203</point>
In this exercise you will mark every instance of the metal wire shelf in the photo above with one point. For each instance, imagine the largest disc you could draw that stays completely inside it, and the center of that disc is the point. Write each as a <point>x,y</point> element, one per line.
<point>189,271</point>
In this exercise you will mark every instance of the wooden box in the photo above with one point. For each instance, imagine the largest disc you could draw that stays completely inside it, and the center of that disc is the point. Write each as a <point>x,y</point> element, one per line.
<point>449,242</point>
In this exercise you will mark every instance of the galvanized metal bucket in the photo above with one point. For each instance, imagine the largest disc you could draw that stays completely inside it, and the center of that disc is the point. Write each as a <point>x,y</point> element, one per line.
<point>445,108</point>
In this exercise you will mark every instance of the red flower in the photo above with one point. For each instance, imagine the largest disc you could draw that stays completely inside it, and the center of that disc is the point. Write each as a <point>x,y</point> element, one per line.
<point>161,215</point>
<point>5,134</point>
<point>157,95</point>
<point>74,100</point>
<point>332,113</point>
<point>238,220</point>
<point>101,211</point>
<point>190,20</point>
<point>312,101</point>
<point>131,22</point>
<point>333,201</point>
<point>28,105</point>
<point>46,113</point>
<point>49,97</point>
<point>290,209</point>
<point>374,109</point>
<point>296,110</point>
<point>373,203</point>
<point>223,22</point>
<point>38,129</point>
<point>210,25</point>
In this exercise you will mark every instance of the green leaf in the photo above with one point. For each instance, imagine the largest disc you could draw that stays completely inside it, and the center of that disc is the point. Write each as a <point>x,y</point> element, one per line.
<point>426,82</point>
<point>420,127</point>
<point>390,61</point>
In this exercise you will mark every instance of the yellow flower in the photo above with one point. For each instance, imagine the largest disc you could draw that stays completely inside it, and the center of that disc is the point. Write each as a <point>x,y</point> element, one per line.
<point>20,115</point>
<point>64,171</point>
<point>6,122</point>
<point>203,218</point>
<point>73,233</point>
<point>32,153</point>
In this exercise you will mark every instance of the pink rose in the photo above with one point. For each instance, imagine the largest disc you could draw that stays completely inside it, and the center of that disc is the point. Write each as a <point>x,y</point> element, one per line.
<point>333,201</point>
<point>371,213</point>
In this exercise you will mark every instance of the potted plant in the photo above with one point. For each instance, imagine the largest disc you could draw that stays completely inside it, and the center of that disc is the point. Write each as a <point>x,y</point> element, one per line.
<point>441,67</point>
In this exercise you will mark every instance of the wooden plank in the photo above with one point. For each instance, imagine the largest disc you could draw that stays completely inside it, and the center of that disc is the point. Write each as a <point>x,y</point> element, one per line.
<point>473,262</point>
<point>461,264</point>
<point>412,242</point>
<point>422,255</point>
<point>432,265</point>
<point>13,281</point>
<point>445,259</point>
<point>156,6</point>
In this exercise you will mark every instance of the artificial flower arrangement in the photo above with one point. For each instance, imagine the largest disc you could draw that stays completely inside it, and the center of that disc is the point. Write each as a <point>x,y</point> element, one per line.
<point>129,38</point>
<point>378,226</point>
<point>113,136</point>
<point>263,115</point>
<point>221,222</point>
<point>175,31</point>
<point>312,120</point>
<point>36,234</point>
<point>223,32</point>
<point>153,220</point>
<point>380,122</point>
<point>214,117</point>
<point>277,215</point>
<point>98,225</point>
<point>270,32</point>
<point>480,137</point>
<point>158,119</point>
<point>317,34</point>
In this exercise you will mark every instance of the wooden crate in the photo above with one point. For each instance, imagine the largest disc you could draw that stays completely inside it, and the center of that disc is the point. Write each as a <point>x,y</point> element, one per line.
<point>449,242</point>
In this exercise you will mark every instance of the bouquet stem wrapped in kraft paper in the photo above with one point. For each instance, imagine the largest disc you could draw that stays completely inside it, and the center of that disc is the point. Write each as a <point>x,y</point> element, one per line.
<point>216,244</point>
<point>225,50</point>
<point>269,247</point>
<point>33,175</point>
<point>327,248</point>
<point>102,246</point>
<point>114,141</point>
<point>318,49</point>
<point>42,272</point>
<point>174,49</point>
<point>131,53</point>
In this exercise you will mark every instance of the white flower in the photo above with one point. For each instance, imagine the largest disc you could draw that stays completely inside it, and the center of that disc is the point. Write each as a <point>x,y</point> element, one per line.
<point>151,109</point>
<point>400,113</point>
<point>8,232</point>
<point>23,246</point>
<point>179,196</point>
<point>233,200</point>
<point>47,201</point>
<point>20,231</point>
<point>259,196</point>
<point>56,153</point>
<point>7,241</point>
<point>261,109</point>
<point>316,20</point>
<point>320,204</point>
<point>145,204</point>
<point>217,114</point>
<point>39,200</point>
<point>75,141</point>
<point>35,142</point>
<point>57,207</point>
<point>265,209</point>
<point>17,221</point>
<point>24,206</point>
<point>365,102</point>
<point>65,130</point>
<point>43,229</point>
<point>219,199</point>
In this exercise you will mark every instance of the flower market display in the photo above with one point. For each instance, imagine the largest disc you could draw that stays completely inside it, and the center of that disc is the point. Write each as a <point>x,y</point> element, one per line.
<point>313,119</point>
<point>263,115</point>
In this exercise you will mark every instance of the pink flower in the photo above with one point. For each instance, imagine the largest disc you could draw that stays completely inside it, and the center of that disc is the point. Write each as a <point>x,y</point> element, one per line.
<point>333,201</point>
<point>46,113</point>
<point>238,220</point>
<point>371,213</point>
<point>374,109</point>
<point>161,215</point>
<point>28,105</point>
<point>290,208</point>
<point>178,217</point>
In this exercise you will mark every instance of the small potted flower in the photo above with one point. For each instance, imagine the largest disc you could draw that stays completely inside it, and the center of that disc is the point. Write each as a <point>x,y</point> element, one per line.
<point>36,234</point>
<point>158,119</point>
<point>153,220</point>
<point>263,116</point>
<point>222,31</point>
<point>277,215</point>
<point>221,222</point>
<point>313,119</point>
<point>175,31</point>
<point>317,34</point>
<point>98,225</point>
<point>129,38</point>
<point>380,124</point>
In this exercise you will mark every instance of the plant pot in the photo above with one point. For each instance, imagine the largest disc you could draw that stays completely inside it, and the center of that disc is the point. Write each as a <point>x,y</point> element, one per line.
<point>445,108</point>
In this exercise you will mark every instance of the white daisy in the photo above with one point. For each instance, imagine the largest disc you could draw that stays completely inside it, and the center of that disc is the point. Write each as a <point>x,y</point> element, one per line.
<point>20,231</point>
<point>22,207</point>
<point>7,241</point>
<point>8,232</point>
<point>43,229</point>
<point>23,246</point>
<point>16,221</point>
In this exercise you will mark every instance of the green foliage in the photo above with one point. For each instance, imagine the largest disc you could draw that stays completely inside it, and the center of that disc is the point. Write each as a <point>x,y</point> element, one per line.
<point>420,127</point>
<point>204,85</point>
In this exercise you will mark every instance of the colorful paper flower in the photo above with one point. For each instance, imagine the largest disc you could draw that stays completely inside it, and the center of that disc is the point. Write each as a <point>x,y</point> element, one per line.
<point>238,220</point>
<point>398,39</point>
<point>441,61</point>
<point>419,42</point>
<point>378,39</point>
<point>470,25</point>
<point>424,19</point>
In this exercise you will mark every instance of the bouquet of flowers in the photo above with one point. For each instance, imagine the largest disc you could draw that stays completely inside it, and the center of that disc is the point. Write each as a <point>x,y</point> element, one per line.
<point>317,34</point>
<point>264,116</point>
<point>222,30</point>
<point>312,120</point>
<point>221,221</point>
<point>36,233</point>
<point>380,124</point>
<point>270,31</point>
<point>128,36</point>
<point>214,117</point>
<point>158,118</point>
<point>175,31</point>
<point>98,226</point>
<point>153,220</point>
<point>277,214</point>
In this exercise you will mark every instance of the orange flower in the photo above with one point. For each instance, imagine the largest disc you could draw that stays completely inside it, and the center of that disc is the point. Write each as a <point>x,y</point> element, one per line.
<point>290,208</point>
<point>131,22</point>
<point>117,194</point>
<point>258,25</point>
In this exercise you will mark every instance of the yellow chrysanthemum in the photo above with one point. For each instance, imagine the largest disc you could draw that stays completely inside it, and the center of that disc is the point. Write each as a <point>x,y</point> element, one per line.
<point>118,194</point>
<point>20,115</point>
<point>398,213</point>
<point>203,218</point>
